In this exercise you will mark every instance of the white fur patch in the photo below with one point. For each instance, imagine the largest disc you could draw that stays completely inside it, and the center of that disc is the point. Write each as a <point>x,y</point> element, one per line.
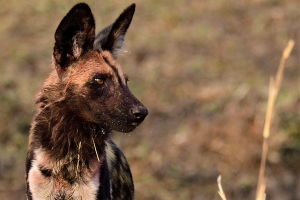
<point>119,48</point>
<point>110,155</point>
<point>43,187</point>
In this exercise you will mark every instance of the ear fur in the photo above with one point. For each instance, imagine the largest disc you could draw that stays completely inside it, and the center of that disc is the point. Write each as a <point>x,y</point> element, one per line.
<point>74,36</point>
<point>112,37</point>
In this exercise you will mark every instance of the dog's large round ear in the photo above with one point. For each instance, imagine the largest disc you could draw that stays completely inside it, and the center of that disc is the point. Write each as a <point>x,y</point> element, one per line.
<point>112,37</point>
<point>74,36</point>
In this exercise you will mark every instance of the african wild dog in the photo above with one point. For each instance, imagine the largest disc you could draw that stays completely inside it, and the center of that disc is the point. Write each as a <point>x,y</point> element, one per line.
<point>70,154</point>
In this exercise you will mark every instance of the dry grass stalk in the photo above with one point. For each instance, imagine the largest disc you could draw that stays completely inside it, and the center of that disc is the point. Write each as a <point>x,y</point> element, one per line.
<point>221,192</point>
<point>78,157</point>
<point>96,150</point>
<point>273,91</point>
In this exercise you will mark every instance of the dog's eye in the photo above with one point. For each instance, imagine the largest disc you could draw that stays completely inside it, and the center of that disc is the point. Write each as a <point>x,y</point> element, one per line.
<point>99,81</point>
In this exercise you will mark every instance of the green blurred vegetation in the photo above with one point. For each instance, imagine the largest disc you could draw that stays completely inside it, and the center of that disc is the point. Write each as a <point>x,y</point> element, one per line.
<point>201,67</point>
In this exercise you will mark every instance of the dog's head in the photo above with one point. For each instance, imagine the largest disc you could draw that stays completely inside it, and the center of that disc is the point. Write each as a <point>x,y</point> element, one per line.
<point>93,84</point>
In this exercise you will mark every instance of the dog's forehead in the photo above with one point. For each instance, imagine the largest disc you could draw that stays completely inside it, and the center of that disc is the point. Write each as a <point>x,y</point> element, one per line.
<point>98,63</point>
<point>93,63</point>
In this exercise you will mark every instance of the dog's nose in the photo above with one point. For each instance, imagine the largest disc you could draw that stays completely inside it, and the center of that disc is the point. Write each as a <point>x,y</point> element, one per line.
<point>139,113</point>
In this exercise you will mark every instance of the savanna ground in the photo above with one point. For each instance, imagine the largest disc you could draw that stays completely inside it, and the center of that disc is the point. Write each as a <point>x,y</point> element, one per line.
<point>201,67</point>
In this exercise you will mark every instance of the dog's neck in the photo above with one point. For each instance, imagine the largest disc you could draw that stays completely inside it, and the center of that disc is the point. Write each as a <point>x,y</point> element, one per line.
<point>61,132</point>
<point>66,137</point>
<point>70,143</point>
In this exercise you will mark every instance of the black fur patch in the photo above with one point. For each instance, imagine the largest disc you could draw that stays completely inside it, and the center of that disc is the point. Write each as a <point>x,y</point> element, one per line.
<point>122,183</point>
<point>76,30</point>
<point>104,192</point>
<point>112,37</point>
<point>45,172</point>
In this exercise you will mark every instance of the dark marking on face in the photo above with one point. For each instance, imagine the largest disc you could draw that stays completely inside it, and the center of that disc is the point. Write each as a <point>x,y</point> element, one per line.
<point>46,172</point>
<point>115,71</point>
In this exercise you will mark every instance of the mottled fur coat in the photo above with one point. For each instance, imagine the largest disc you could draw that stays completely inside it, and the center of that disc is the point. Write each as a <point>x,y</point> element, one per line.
<point>70,154</point>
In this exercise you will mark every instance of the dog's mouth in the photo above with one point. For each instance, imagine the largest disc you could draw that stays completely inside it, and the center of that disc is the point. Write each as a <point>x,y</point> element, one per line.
<point>124,122</point>
<point>136,116</point>
<point>128,127</point>
<point>134,124</point>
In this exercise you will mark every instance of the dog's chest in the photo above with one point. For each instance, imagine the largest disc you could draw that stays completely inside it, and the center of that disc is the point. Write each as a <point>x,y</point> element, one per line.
<point>51,180</point>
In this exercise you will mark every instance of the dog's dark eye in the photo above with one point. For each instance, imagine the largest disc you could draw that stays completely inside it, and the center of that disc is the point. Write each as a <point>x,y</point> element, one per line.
<point>99,81</point>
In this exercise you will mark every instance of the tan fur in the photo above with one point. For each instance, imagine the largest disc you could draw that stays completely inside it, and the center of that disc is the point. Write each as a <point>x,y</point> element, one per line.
<point>91,63</point>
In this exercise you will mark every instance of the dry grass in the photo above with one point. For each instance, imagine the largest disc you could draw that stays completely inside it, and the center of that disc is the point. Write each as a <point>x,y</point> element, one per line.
<point>221,192</point>
<point>273,92</point>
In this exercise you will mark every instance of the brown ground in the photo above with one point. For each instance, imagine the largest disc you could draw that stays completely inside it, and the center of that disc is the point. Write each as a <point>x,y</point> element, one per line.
<point>201,67</point>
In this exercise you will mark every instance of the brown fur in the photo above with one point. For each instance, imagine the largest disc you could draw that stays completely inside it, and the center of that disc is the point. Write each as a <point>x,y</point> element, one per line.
<point>83,100</point>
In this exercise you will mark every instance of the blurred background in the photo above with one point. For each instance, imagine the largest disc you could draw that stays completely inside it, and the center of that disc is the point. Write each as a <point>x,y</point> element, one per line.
<point>202,69</point>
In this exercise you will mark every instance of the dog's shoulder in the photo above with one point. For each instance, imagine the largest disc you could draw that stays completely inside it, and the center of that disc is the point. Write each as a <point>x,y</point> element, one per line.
<point>121,178</point>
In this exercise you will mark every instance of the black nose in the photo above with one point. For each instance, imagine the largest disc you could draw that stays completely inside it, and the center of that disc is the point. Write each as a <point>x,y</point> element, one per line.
<point>139,113</point>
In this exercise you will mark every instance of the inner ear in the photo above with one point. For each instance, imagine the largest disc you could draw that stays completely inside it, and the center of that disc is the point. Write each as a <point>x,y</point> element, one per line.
<point>112,37</point>
<point>74,36</point>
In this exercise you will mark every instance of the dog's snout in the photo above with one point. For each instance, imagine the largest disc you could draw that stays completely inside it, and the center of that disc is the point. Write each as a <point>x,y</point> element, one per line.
<point>139,113</point>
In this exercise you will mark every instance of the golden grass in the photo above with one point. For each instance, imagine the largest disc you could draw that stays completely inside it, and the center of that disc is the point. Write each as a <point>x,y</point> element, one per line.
<point>273,92</point>
<point>96,150</point>
<point>221,192</point>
